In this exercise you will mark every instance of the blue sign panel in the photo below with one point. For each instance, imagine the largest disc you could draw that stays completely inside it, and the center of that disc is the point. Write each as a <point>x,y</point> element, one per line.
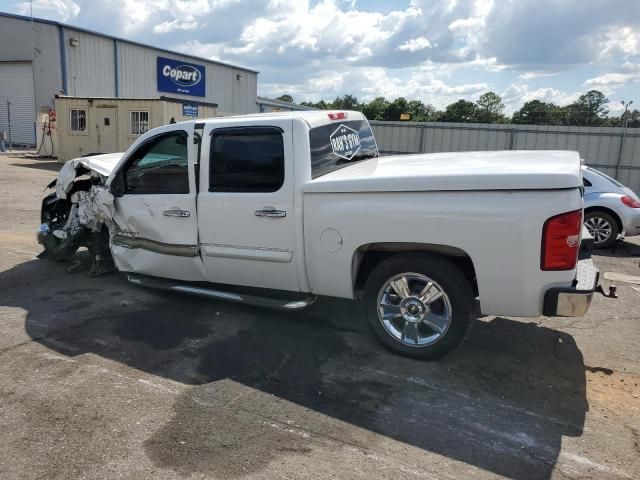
<point>189,110</point>
<point>180,77</point>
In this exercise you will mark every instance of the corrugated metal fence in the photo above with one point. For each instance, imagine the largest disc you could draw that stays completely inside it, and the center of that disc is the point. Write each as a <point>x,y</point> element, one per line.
<point>614,151</point>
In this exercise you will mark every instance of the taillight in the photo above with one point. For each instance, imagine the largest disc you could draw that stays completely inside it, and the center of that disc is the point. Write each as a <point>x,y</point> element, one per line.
<point>630,201</point>
<point>561,241</point>
<point>337,115</point>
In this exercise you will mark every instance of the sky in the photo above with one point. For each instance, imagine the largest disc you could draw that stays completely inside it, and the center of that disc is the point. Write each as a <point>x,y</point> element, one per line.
<point>436,51</point>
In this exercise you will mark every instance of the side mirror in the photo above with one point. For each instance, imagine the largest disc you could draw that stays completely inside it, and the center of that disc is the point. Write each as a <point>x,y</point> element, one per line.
<point>118,186</point>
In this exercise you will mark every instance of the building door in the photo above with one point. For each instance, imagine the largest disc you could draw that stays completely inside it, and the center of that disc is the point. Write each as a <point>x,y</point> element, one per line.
<point>16,87</point>
<point>107,129</point>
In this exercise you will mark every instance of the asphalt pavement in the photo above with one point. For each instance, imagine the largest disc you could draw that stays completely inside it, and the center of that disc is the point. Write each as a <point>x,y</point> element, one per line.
<point>103,379</point>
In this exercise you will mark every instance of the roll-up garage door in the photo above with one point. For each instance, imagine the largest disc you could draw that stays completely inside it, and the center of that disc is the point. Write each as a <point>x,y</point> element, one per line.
<point>16,86</point>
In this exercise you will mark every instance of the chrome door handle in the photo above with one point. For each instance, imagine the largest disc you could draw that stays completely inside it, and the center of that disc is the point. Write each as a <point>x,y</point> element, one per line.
<point>176,212</point>
<point>270,212</point>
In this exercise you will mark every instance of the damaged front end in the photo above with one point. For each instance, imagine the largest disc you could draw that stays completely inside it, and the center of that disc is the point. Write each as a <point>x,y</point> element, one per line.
<point>78,214</point>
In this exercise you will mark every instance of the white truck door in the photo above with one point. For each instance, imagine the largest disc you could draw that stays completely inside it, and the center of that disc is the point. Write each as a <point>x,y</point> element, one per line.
<point>155,207</point>
<point>246,221</point>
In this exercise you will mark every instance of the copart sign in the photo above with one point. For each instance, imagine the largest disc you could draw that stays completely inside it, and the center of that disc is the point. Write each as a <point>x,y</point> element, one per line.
<point>180,77</point>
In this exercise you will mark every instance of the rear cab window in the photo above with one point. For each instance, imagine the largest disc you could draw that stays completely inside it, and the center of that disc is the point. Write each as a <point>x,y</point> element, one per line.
<point>340,144</point>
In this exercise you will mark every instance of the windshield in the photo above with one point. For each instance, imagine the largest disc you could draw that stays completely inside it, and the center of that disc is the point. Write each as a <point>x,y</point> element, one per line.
<point>338,145</point>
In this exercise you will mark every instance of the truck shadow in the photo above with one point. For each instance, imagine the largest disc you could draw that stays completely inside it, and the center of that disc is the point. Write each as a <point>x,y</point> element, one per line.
<point>620,249</point>
<point>502,402</point>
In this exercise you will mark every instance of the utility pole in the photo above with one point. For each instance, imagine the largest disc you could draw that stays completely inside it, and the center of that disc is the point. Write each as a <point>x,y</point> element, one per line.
<point>623,136</point>
<point>9,124</point>
<point>625,117</point>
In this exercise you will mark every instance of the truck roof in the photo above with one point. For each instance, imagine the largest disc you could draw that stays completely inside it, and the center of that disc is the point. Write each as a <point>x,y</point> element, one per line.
<point>313,118</point>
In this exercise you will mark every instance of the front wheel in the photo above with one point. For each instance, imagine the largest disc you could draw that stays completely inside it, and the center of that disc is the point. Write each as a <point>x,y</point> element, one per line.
<point>420,306</point>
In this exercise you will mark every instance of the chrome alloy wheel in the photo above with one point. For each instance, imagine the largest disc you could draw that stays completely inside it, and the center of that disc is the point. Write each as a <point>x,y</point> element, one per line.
<point>599,228</point>
<point>414,309</point>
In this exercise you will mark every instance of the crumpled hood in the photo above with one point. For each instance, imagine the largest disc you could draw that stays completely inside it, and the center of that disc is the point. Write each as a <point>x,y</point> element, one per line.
<point>493,170</point>
<point>101,164</point>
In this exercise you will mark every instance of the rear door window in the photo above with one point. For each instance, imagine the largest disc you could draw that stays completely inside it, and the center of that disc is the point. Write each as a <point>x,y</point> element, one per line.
<point>337,145</point>
<point>246,159</point>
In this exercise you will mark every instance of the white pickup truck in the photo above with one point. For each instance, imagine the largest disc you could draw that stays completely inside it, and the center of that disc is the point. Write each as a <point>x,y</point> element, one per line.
<point>299,204</point>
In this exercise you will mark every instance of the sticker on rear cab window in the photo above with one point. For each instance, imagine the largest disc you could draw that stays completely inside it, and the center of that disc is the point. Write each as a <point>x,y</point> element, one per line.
<point>345,142</point>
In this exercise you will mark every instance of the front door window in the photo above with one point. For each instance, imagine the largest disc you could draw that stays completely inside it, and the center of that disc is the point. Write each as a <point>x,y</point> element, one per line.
<point>159,166</point>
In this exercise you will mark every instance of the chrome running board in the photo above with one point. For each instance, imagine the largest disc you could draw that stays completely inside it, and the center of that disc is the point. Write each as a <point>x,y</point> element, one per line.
<point>173,285</point>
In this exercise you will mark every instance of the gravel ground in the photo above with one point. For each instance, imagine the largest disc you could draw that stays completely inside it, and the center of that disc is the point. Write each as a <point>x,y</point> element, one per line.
<point>102,379</point>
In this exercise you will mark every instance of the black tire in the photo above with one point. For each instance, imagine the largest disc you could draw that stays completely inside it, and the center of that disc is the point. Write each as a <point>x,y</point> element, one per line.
<point>451,281</point>
<point>55,213</point>
<point>594,216</point>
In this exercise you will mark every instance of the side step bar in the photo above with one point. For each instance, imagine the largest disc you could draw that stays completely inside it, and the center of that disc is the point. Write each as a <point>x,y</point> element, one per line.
<point>255,300</point>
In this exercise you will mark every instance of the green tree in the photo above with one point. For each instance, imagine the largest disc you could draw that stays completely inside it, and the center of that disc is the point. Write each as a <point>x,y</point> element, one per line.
<point>489,108</point>
<point>460,111</point>
<point>421,112</point>
<point>395,108</point>
<point>348,102</point>
<point>374,110</point>
<point>536,112</point>
<point>589,110</point>
<point>285,98</point>
<point>322,105</point>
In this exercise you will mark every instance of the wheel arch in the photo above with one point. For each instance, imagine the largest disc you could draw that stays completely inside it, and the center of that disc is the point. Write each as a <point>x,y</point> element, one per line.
<point>366,257</point>
<point>600,208</point>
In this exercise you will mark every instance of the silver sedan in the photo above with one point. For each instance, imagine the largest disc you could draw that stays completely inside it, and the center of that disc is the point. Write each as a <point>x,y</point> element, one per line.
<point>610,208</point>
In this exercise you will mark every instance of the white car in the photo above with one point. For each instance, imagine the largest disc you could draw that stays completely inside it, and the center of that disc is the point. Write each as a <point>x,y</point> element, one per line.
<point>276,209</point>
<point>610,208</point>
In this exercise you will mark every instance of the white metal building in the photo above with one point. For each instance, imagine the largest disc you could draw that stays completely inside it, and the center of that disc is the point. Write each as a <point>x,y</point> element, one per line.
<point>42,59</point>
<point>266,105</point>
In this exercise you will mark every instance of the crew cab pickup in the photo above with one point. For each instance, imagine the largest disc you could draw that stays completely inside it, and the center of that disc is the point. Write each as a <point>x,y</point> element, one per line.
<point>277,209</point>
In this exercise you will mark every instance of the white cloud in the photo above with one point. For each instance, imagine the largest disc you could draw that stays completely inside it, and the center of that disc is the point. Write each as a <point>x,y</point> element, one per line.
<point>175,24</point>
<point>518,94</point>
<point>62,10</point>
<point>615,108</point>
<point>296,28</point>
<point>610,80</point>
<point>533,75</point>
<point>414,44</point>
<point>625,41</point>
<point>367,83</point>
<point>434,50</point>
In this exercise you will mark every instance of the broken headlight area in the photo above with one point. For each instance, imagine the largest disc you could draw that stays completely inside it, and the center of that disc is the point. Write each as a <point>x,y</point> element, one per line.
<point>78,215</point>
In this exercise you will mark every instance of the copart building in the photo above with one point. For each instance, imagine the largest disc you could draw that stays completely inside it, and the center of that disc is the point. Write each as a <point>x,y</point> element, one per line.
<point>72,91</point>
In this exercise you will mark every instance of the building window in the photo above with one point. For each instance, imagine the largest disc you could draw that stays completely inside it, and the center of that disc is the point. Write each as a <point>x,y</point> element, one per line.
<point>78,120</point>
<point>138,122</point>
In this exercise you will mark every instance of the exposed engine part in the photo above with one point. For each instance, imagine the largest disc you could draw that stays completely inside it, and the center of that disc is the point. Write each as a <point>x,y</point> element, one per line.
<point>78,214</point>
<point>60,232</point>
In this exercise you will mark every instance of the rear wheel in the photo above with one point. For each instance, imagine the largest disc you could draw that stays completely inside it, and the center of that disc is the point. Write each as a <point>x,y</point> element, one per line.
<point>602,227</point>
<point>420,306</point>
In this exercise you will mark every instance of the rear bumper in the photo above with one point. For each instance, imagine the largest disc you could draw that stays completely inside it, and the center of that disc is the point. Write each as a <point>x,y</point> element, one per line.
<point>631,222</point>
<point>574,301</point>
